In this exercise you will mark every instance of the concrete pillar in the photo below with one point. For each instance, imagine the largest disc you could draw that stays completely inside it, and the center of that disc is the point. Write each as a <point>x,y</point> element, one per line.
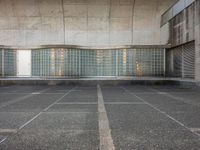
<point>197,41</point>
<point>197,53</point>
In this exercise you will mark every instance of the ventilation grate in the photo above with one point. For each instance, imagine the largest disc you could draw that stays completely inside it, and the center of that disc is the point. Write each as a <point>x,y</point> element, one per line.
<point>181,61</point>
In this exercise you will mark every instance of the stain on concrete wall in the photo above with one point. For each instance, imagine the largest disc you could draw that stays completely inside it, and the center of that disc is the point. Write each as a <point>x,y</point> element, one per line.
<point>182,26</point>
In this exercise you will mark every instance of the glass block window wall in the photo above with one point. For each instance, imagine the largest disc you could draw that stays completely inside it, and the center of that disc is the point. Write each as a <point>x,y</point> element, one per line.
<point>60,62</point>
<point>7,62</point>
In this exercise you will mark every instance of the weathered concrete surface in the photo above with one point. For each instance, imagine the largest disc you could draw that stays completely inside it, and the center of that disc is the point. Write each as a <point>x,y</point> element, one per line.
<point>81,22</point>
<point>184,28</point>
<point>197,41</point>
<point>197,65</point>
<point>139,117</point>
<point>181,27</point>
<point>165,34</point>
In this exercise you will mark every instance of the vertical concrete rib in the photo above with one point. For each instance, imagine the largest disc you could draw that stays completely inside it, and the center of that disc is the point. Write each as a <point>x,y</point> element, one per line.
<point>109,21</point>
<point>132,21</point>
<point>3,73</point>
<point>106,141</point>
<point>87,22</point>
<point>63,10</point>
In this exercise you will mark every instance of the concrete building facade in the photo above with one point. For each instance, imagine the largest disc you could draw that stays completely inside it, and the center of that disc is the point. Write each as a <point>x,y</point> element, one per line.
<point>180,30</point>
<point>197,40</point>
<point>121,26</point>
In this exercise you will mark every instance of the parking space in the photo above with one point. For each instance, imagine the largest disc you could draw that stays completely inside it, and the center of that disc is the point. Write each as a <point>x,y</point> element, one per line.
<point>51,118</point>
<point>159,121</point>
<point>74,117</point>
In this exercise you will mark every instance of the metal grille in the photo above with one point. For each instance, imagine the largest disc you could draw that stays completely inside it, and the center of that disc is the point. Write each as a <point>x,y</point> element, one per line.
<point>93,63</point>
<point>181,61</point>
<point>177,62</point>
<point>189,60</point>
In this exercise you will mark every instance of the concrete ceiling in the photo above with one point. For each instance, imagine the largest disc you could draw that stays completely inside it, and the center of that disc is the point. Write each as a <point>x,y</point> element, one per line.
<point>81,22</point>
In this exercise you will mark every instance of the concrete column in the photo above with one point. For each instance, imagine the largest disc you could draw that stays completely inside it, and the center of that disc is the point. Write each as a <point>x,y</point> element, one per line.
<point>197,41</point>
<point>197,52</point>
<point>3,73</point>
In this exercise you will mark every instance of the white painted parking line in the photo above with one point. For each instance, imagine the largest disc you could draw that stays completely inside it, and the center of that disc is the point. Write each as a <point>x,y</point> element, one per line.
<point>65,112</point>
<point>21,98</point>
<point>161,93</point>
<point>64,91</point>
<point>195,129</point>
<point>175,97</point>
<point>36,93</point>
<point>77,90</point>
<point>59,99</point>
<point>3,140</point>
<point>36,116</point>
<point>43,110</point>
<point>162,112</point>
<point>145,93</point>
<point>25,124</point>
<point>125,103</point>
<point>8,131</point>
<point>14,93</point>
<point>52,93</point>
<point>106,141</point>
<point>77,103</point>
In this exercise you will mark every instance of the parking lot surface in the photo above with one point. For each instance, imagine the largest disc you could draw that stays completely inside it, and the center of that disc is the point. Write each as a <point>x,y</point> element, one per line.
<point>99,117</point>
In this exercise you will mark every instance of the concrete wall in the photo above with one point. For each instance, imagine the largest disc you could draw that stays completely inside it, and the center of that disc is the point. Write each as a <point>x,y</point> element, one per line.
<point>28,23</point>
<point>181,28</point>
<point>165,34</point>
<point>197,40</point>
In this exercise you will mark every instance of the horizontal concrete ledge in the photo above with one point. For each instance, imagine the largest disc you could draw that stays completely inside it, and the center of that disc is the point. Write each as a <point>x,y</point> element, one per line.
<point>86,47</point>
<point>108,47</point>
<point>97,78</point>
<point>102,81</point>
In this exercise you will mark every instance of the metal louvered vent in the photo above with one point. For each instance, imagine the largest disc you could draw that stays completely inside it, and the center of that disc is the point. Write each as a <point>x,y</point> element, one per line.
<point>180,61</point>
<point>177,62</point>
<point>189,60</point>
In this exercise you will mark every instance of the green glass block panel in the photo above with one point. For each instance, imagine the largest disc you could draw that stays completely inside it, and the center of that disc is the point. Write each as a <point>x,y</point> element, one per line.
<point>60,62</point>
<point>9,62</point>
